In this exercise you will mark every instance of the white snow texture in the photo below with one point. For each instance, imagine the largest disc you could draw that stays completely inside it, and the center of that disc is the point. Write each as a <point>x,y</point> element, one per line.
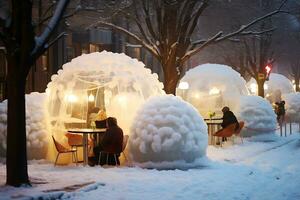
<point>292,106</point>
<point>36,129</point>
<point>258,115</point>
<point>211,87</point>
<point>167,129</point>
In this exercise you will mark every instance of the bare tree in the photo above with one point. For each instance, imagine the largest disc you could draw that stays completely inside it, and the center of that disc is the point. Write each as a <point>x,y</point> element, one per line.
<point>166,28</point>
<point>294,72</point>
<point>23,48</point>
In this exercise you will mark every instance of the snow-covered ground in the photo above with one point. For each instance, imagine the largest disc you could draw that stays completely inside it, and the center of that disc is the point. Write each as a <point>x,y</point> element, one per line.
<point>253,170</point>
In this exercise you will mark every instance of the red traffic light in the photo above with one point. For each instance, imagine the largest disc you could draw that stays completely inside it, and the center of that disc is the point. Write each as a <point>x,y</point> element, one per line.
<point>268,69</point>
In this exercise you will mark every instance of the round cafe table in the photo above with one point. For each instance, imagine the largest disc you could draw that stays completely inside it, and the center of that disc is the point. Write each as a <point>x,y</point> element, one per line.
<point>85,132</point>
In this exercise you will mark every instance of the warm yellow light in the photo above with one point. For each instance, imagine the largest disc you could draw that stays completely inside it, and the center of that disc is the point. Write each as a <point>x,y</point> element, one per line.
<point>214,91</point>
<point>183,85</point>
<point>91,98</point>
<point>293,81</point>
<point>253,88</point>
<point>197,95</point>
<point>71,98</point>
<point>266,86</point>
<point>48,92</point>
<point>122,100</point>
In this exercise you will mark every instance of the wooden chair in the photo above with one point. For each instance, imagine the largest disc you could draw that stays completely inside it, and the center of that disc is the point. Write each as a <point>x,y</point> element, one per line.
<point>124,144</point>
<point>61,149</point>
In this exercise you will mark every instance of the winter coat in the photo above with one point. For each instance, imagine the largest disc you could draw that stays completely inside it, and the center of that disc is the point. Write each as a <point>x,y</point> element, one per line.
<point>113,140</point>
<point>228,119</point>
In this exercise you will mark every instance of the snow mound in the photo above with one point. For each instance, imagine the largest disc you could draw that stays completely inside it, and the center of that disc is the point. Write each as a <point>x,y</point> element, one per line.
<point>276,86</point>
<point>258,115</point>
<point>167,131</point>
<point>292,106</point>
<point>109,81</point>
<point>211,87</point>
<point>36,130</point>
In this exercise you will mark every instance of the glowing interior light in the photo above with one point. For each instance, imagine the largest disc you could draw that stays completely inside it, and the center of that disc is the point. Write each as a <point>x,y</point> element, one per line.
<point>266,86</point>
<point>48,92</point>
<point>197,96</point>
<point>293,81</point>
<point>71,98</point>
<point>91,98</point>
<point>122,100</point>
<point>183,85</point>
<point>213,91</point>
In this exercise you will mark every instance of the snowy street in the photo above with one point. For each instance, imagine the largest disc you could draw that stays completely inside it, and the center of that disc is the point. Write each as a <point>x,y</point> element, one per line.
<point>253,170</point>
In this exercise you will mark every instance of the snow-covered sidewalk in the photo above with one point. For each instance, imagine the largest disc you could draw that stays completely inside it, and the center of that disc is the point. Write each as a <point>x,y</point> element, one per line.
<point>253,170</point>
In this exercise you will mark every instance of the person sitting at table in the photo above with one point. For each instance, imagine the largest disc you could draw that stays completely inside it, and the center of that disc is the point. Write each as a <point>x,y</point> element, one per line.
<point>228,119</point>
<point>112,142</point>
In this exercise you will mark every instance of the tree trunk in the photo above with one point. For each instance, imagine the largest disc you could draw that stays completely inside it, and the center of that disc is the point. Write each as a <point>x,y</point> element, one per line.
<point>260,87</point>
<point>171,78</point>
<point>297,84</point>
<point>16,154</point>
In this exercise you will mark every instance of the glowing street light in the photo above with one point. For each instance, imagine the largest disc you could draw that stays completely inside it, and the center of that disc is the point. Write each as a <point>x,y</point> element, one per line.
<point>253,88</point>
<point>183,85</point>
<point>71,98</point>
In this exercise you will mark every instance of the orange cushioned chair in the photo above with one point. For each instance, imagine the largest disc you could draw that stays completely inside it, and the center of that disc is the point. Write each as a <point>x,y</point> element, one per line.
<point>61,149</point>
<point>230,130</point>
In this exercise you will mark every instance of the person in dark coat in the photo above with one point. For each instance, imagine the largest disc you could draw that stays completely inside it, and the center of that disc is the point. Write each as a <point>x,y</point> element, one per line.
<point>112,142</point>
<point>228,119</point>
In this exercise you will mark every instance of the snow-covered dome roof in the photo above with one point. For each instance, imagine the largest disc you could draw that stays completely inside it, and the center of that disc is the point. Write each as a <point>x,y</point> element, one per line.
<point>108,81</point>
<point>209,87</point>
<point>276,86</point>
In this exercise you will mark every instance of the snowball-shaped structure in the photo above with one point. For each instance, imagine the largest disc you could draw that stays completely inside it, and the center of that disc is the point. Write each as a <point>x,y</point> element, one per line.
<point>276,86</point>
<point>292,106</point>
<point>36,129</point>
<point>258,115</point>
<point>167,129</point>
<point>209,87</point>
<point>107,81</point>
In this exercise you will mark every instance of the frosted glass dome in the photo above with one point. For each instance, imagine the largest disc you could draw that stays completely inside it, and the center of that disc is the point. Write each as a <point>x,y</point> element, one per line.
<point>108,81</point>
<point>210,87</point>
<point>275,87</point>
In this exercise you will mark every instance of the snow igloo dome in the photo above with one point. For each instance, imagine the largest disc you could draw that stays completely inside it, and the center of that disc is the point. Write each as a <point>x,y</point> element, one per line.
<point>105,81</point>
<point>275,87</point>
<point>167,130</point>
<point>259,117</point>
<point>209,87</point>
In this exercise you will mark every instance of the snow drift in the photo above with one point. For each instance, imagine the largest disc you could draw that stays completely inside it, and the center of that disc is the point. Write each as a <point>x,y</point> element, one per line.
<point>36,129</point>
<point>167,130</point>
<point>211,87</point>
<point>258,115</point>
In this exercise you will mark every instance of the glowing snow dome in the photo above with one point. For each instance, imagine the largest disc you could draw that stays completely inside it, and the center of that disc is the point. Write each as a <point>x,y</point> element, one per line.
<point>210,87</point>
<point>292,106</point>
<point>167,133</point>
<point>107,81</point>
<point>259,117</point>
<point>276,86</point>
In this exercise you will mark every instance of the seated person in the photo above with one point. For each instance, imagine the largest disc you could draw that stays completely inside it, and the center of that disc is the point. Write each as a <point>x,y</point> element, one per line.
<point>228,119</point>
<point>112,142</point>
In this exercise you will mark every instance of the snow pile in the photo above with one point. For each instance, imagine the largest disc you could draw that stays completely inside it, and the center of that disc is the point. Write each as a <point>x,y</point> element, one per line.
<point>276,86</point>
<point>258,115</point>
<point>167,133</point>
<point>292,106</point>
<point>36,129</point>
<point>109,81</point>
<point>211,87</point>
